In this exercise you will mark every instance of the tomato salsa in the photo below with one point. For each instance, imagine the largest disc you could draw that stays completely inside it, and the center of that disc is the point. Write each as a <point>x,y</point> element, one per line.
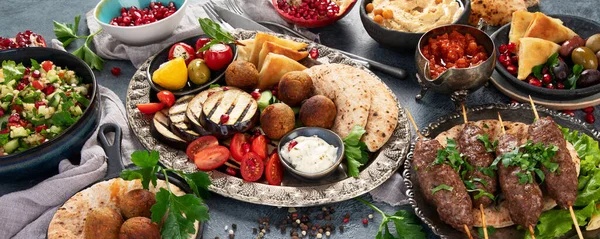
<point>453,50</point>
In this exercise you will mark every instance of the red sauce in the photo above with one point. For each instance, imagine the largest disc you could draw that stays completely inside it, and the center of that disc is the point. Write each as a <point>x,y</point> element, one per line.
<point>453,50</point>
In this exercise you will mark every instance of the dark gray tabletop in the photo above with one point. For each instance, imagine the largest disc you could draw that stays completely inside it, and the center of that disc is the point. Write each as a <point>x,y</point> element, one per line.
<point>347,34</point>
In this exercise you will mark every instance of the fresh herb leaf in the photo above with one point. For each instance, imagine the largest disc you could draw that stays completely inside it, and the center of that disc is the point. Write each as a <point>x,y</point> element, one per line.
<point>35,65</point>
<point>181,212</point>
<point>537,71</point>
<point>574,77</point>
<point>556,222</point>
<point>406,224</point>
<point>490,229</point>
<point>145,159</point>
<point>214,86</point>
<point>355,150</point>
<point>12,70</point>
<point>490,147</point>
<point>551,62</point>
<point>62,118</point>
<point>79,98</point>
<point>66,32</point>
<point>87,55</point>
<point>198,182</point>
<point>441,187</point>
<point>4,139</point>
<point>219,35</point>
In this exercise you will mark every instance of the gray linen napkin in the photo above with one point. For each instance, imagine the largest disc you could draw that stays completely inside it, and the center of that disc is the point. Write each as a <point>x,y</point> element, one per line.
<point>27,214</point>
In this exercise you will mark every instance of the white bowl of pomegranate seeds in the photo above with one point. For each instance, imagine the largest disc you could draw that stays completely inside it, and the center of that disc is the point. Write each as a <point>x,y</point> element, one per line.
<point>140,22</point>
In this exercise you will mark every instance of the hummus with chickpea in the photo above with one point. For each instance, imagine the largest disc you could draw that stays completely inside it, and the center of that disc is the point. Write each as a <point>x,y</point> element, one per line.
<point>414,15</point>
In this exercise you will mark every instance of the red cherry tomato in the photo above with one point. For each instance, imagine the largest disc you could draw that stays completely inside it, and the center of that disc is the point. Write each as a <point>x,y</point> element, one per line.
<point>47,65</point>
<point>252,167</point>
<point>273,170</point>
<point>150,108</point>
<point>199,44</point>
<point>259,146</point>
<point>182,50</point>
<point>166,97</point>
<point>236,147</point>
<point>211,158</point>
<point>37,84</point>
<point>200,144</point>
<point>218,56</point>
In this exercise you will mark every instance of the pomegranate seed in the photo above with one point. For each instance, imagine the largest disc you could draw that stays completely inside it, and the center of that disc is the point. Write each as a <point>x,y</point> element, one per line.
<point>569,112</point>
<point>365,221</point>
<point>225,88</point>
<point>1,112</point>
<point>560,85</point>
<point>231,171</point>
<point>511,47</point>
<point>314,53</point>
<point>547,78</point>
<point>535,82</point>
<point>550,86</point>
<point>514,60</point>
<point>588,110</point>
<point>5,131</point>
<point>36,74</point>
<point>513,70</point>
<point>23,123</point>
<point>503,48</point>
<point>27,71</point>
<point>504,57</point>
<point>39,128</point>
<point>39,103</point>
<point>590,118</point>
<point>14,118</point>
<point>346,220</point>
<point>513,101</point>
<point>274,92</point>
<point>224,118</point>
<point>292,145</point>
<point>116,71</point>
<point>545,70</point>
<point>245,148</point>
<point>255,94</point>
<point>20,86</point>
<point>49,90</point>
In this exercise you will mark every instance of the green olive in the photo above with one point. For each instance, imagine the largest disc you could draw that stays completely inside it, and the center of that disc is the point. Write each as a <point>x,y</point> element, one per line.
<point>198,72</point>
<point>593,43</point>
<point>585,57</point>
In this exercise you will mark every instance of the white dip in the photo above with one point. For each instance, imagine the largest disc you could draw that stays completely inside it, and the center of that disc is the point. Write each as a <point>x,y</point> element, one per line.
<point>310,154</point>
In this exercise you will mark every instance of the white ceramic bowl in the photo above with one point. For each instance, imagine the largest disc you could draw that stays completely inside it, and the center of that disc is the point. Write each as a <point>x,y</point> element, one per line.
<point>138,35</point>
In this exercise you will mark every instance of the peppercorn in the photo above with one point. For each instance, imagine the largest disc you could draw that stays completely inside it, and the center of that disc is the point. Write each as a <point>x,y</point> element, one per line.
<point>254,230</point>
<point>347,215</point>
<point>234,226</point>
<point>341,228</point>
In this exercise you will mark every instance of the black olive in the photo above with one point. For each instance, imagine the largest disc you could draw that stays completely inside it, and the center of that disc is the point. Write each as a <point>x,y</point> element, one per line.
<point>588,78</point>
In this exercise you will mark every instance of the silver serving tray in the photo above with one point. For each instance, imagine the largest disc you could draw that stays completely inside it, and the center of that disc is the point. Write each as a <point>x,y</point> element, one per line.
<point>338,187</point>
<point>512,112</point>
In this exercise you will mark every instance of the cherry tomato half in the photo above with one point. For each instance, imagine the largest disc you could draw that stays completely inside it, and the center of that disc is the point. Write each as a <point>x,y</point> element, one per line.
<point>166,97</point>
<point>150,108</point>
<point>218,56</point>
<point>236,147</point>
<point>252,167</point>
<point>182,50</point>
<point>273,170</point>
<point>199,44</point>
<point>47,65</point>
<point>200,144</point>
<point>259,146</point>
<point>211,158</point>
<point>37,84</point>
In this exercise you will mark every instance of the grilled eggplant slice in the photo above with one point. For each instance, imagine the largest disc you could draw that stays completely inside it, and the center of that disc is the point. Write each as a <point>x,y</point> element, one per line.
<point>179,122</point>
<point>194,109</point>
<point>160,130</point>
<point>227,112</point>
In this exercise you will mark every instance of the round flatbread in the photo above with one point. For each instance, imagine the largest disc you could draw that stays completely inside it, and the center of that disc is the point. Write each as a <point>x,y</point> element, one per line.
<point>69,219</point>
<point>498,216</point>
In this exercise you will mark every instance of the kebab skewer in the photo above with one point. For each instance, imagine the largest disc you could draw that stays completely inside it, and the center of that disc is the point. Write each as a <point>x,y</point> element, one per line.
<point>561,183</point>
<point>441,184</point>
<point>525,201</point>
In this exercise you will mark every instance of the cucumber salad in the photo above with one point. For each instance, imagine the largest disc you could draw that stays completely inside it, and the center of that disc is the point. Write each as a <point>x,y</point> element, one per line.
<point>37,103</point>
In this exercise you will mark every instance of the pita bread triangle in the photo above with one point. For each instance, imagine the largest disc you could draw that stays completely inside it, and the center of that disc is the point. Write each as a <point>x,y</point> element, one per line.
<point>269,47</point>
<point>533,52</point>
<point>546,28</point>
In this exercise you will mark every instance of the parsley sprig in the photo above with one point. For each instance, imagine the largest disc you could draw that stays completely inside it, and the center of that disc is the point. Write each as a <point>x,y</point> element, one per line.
<point>529,157</point>
<point>355,150</point>
<point>181,212</point>
<point>406,224</point>
<point>67,33</point>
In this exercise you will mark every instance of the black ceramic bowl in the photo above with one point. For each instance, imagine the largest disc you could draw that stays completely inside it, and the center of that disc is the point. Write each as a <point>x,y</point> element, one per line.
<point>399,39</point>
<point>45,157</point>
<point>584,27</point>
<point>189,88</point>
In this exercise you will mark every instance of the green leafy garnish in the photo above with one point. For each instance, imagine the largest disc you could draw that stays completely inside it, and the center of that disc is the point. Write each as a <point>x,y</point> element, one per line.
<point>179,212</point>
<point>355,150</point>
<point>551,62</point>
<point>214,31</point>
<point>454,159</point>
<point>214,86</point>
<point>490,229</point>
<point>67,33</point>
<point>441,187</point>
<point>571,82</point>
<point>35,65</point>
<point>406,224</point>
<point>12,70</point>
<point>529,157</point>
<point>490,147</point>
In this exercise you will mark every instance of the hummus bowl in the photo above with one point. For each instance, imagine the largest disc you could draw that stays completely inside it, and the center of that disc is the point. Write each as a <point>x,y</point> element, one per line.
<point>404,39</point>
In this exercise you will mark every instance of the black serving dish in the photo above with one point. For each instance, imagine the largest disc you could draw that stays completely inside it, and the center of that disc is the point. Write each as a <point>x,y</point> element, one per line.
<point>584,27</point>
<point>189,88</point>
<point>45,157</point>
<point>398,39</point>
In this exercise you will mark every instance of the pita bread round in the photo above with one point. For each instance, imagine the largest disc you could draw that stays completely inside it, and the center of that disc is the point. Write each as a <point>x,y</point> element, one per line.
<point>497,215</point>
<point>69,219</point>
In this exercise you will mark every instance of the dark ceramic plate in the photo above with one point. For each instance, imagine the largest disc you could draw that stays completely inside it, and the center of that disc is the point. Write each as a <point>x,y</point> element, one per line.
<point>512,112</point>
<point>584,27</point>
<point>45,157</point>
<point>189,88</point>
<point>399,39</point>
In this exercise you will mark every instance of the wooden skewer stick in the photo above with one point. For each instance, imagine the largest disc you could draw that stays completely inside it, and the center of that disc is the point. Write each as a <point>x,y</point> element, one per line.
<point>532,232</point>
<point>421,136</point>
<point>464,113</point>
<point>231,165</point>
<point>537,117</point>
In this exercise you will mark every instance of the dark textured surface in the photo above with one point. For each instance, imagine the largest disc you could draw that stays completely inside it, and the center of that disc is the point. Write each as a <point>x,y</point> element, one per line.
<point>348,34</point>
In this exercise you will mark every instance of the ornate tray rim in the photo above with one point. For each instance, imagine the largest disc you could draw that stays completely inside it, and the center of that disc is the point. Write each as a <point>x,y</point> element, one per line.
<point>389,158</point>
<point>407,174</point>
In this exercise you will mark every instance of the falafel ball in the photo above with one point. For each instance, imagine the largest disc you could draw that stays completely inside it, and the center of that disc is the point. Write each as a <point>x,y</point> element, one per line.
<point>102,223</point>
<point>318,111</point>
<point>294,87</point>
<point>139,228</point>
<point>137,203</point>
<point>241,74</point>
<point>277,120</point>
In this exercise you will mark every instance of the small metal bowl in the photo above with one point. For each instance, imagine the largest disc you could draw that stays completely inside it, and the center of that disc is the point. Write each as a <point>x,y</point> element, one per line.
<point>329,136</point>
<point>455,81</point>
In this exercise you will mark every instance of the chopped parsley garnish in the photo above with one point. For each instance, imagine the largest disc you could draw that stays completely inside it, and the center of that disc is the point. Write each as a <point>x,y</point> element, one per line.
<point>490,147</point>
<point>441,187</point>
<point>529,157</point>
